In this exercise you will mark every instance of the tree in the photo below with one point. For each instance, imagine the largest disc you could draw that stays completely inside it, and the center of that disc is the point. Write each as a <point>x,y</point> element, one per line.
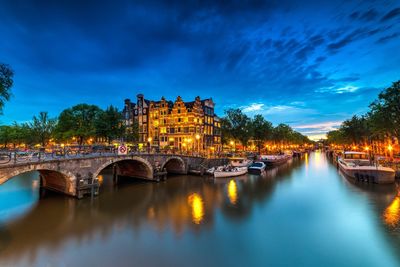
<point>5,135</point>
<point>6,82</point>
<point>109,124</point>
<point>282,133</point>
<point>385,111</point>
<point>356,130</point>
<point>78,121</point>
<point>226,130</point>
<point>336,137</point>
<point>239,125</point>
<point>43,128</point>
<point>261,129</point>
<point>131,134</point>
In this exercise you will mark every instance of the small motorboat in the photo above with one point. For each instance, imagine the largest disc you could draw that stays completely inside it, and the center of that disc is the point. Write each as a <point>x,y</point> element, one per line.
<point>257,167</point>
<point>357,165</point>
<point>240,162</point>
<point>230,172</point>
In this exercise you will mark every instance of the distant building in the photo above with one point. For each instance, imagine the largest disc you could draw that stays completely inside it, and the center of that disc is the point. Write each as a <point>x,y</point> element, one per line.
<point>189,126</point>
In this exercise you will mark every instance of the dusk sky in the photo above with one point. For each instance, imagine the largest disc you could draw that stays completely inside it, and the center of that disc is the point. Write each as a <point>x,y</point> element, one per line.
<point>310,64</point>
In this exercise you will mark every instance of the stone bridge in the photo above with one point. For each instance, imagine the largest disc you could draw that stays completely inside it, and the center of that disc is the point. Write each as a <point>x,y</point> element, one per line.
<point>73,175</point>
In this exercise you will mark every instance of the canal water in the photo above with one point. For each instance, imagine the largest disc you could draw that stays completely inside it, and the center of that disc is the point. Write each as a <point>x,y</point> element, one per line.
<point>304,213</point>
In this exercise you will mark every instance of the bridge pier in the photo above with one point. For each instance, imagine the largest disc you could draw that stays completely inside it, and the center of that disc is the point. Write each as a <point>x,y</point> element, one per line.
<point>87,186</point>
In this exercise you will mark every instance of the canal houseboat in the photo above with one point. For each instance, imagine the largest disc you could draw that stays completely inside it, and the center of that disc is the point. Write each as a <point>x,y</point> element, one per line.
<point>357,165</point>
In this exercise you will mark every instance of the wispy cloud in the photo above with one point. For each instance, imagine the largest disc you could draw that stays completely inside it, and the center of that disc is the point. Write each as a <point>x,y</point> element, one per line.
<point>338,90</point>
<point>325,126</point>
<point>252,107</point>
<point>317,131</point>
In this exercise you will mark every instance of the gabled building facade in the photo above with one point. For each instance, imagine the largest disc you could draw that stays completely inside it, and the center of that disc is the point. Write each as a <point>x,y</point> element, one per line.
<point>184,126</point>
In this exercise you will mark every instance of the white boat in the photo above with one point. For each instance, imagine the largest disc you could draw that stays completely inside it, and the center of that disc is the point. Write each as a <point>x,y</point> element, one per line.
<point>257,167</point>
<point>230,172</point>
<point>275,160</point>
<point>358,166</point>
<point>240,162</point>
<point>213,169</point>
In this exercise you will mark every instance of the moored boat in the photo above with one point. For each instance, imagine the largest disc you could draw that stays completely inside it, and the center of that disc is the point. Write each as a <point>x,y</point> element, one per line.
<point>230,172</point>
<point>357,165</point>
<point>275,160</point>
<point>257,167</point>
<point>240,162</point>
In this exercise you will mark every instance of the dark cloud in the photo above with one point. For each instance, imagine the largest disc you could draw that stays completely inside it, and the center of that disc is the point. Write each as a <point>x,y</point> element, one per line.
<point>368,15</point>
<point>355,35</point>
<point>387,38</point>
<point>391,14</point>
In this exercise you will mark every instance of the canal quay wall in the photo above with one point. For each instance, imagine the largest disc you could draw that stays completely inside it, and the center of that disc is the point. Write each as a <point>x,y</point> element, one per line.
<point>77,177</point>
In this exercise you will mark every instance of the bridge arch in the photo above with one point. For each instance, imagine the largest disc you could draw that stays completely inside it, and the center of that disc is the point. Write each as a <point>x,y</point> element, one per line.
<point>134,166</point>
<point>55,180</point>
<point>174,165</point>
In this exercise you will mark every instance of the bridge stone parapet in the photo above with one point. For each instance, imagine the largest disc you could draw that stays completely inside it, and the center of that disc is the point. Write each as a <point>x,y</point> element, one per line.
<point>66,175</point>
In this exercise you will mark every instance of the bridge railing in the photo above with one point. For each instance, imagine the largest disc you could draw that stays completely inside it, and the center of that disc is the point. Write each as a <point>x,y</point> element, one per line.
<point>17,157</point>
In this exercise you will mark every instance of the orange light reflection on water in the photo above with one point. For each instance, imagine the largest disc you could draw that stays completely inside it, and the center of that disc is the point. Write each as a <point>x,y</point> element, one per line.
<point>232,192</point>
<point>101,179</point>
<point>197,205</point>
<point>391,215</point>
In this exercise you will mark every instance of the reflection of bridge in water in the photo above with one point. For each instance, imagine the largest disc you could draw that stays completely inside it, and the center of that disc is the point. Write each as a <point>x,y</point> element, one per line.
<point>182,203</point>
<point>78,176</point>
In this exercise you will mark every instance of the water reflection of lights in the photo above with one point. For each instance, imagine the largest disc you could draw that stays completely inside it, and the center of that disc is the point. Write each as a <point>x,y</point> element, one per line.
<point>306,161</point>
<point>317,157</point>
<point>391,215</point>
<point>232,192</point>
<point>196,203</point>
<point>35,184</point>
<point>100,177</point>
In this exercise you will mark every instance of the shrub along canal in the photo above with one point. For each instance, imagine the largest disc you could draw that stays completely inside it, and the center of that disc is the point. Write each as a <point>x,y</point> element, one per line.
<point>304,213</point>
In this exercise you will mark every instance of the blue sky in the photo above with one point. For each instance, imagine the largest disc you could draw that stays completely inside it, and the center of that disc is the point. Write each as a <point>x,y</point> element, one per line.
<point>310,64</point>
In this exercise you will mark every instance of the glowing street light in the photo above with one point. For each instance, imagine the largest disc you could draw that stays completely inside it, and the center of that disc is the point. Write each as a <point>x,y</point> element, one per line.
<point>390,148</point>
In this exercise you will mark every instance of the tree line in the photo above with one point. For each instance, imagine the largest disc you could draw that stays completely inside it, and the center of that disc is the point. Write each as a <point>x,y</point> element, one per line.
<point>79,123</point>
<point>238,127</point>
<point>380,125</point>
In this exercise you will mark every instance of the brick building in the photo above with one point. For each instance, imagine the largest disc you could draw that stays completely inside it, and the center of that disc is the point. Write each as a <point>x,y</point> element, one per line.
<point>185,126</point>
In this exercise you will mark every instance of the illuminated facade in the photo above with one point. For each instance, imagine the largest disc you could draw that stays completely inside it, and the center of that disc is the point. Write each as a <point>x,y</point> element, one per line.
<point>185,126</point>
